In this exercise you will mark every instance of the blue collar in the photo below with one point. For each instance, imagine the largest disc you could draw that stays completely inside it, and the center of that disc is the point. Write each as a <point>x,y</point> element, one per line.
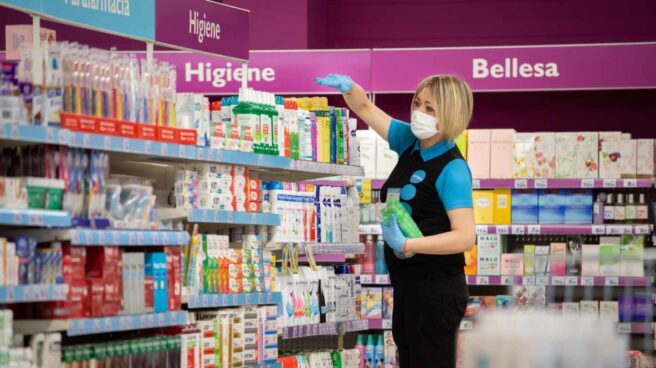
<point>435,150</point>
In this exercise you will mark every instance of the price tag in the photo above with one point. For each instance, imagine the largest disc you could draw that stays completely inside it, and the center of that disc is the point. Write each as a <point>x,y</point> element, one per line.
<point>387,324</point>
<point>143,321</point>
<point>507,280</point>
<point>630,183</point>
<point>482,280</point>
<point>518,229</point>
<point>96,325</point>
<point>125,323</point>
<point>88,238</point>
<point>558,280</point>
<point>624,328</point>
<point>18,220</point>
<point>260,160</point>
<point>101,237</point>
<point>542,280</point>
<point>164,150</point>
<point>50,135</point>
<point>224,300</point>
<point>116,237</point>
<point>610,183</point>
<point>503,229</point>
<point>201,153</point>
<point>248,298</point>
<point>587,281</point>
<point>229,217</point>
<point>155,238</point>
<point>125,145</point>
<point>641,229</point>
<point>627,230</point>
<point>235,299</point>
<point>15,132</point>
<point>107,324</point>
<point>530,280</point>
<point>365,279</point>
<point>481,230</point>
<point>476,184</point>
<point>204,215</point>
<point>148,147</point>
<point>150,319</point>
<point>132,238</point>
<point>382,279</point>
<point>521,183</point>
<point>161,319</point>
<point>219,156</point>
<point>180,238</point>
<point>28,293</point>
<point>571,281</point>
<point>587,183</point>
<point>35,219</point>
<point>466,325</point>
<point>253,219</point>
<point>612,281</point>
<point>182,151</point>
<point>598,229</point>
<point>11,294</point>
<point>534,229</point>
<point>86,140</point>
<point>107,143</point>
<point>615,229</point>
<point>541,183</point>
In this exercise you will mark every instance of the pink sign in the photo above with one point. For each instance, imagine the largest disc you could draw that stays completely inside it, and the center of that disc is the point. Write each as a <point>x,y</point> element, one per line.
<point>289,72</point>
<point>521,68</point>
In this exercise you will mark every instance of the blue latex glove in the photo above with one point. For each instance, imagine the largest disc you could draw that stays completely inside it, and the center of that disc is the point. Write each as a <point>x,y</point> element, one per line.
<point>343,83</point>
<point>393,235</point>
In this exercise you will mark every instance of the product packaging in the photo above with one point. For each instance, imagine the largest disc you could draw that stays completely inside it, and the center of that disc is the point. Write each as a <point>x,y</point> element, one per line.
<point>578,206</point>
<point>645,158</point>
<point>528,297</point>
<point>489,255</point>
<point>502,206</point>
<point>590,260</point>
<point>551,206</point>
<point>609,257</point>
<point>524,206</point>
<point>632,255</point>
<point>524,155</point>
<point>558,259</point>
<point>587,155</point>
<point>589,308</point>
<point>501,153</point>
<point>478,152</point>
<point>483,206</point>
<point>512,264</point>
<point>404,220</point>
<point>542,267</point>
<point>566,148</point>
<point>529,260</point>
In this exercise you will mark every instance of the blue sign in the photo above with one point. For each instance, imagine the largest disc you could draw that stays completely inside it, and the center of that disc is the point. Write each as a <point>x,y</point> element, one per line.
<point>29,5</point>
<point>134,18</point>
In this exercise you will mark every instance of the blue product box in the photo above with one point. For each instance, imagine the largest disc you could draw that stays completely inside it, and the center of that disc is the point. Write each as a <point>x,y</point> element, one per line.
<point>578,206</point>
<point>552,206</point>
<point>524,206</point>
<point>156,268</point>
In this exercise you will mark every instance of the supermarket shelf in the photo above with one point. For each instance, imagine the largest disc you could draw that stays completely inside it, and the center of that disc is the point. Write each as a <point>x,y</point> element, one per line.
<point>386,324</point>
<point>332,248</point>
<point>232,300</point>
<point>31,217</point>
<point>35,326</point>
<point>564,229</point>
<point>559,280</point>
<point>88,326</point>
<point>635,328</point>
<point>319,329</point>
<point>219,217</point>
<point>560,183</point>
<point>354,326</point>
<point>375,280</point>
<point>148,150</point>
<point>370,229</point>
<point>127,237</point>
<point>32,293</point>
<point>325,258</point>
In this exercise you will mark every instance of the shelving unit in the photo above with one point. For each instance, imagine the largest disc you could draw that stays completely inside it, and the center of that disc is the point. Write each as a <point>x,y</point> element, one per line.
<point>205,301</point>
<point>572,183</point>
<point>559,281</point>
<point>332,248</point>
<point>30,217</point>
<point>197,215</point>
<point>32,293</point>
<point>543,229</point>
<point>325,329</point>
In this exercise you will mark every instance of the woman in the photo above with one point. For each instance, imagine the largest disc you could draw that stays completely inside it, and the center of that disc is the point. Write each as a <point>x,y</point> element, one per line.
<point>434,184</point>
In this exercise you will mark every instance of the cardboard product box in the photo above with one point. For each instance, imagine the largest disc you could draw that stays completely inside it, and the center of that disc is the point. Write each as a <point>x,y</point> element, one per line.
<point>155,268</point>
<point>389,350</point>
<point>489,255</point>
<point>478,152</point>
<point>502,206</point>
<point>388,302</point>
<point>483,206</point>
<point>368,148</point>
<point>512,264</point>
<point>632,255</point>
<point>645,158</point>
<point>590,260</point>
<point>566,145</point>
<point>501,153</point>
<point>572,309</point>
<point>551,206</point>
<point>527,297</point>
<point>610,160</point>
<point>589,308</point>
<point>574,251</point>
<point>558,259</point>
<point>629,158</point>
<point>542,267</point>
<point>545,155</point>
<point>578,205</point>
<point>587,155</point>
<point>608,310</point>
<point>523,155</point>
<point>609,259</point>
<point>524,206</point>
<point>373,303</point>
<point>19,36</point>
<point>529,260</point>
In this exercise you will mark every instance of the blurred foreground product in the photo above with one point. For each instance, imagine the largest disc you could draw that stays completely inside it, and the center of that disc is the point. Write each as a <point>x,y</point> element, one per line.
<point>506,340</point>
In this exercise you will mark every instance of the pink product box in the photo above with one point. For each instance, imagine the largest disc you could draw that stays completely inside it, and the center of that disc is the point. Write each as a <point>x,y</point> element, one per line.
<point>19,36</point>
<point>478,152</point>
<point>512,264</point>
<point>545,155</point>
<point>501,153</point>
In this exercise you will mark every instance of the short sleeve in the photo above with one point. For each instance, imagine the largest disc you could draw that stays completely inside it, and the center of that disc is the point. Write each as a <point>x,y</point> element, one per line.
<point>454,185</point>
<point>399,136</point>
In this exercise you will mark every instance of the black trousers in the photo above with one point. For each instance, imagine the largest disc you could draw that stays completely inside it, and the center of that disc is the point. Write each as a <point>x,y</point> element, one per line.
<point>426,320</point>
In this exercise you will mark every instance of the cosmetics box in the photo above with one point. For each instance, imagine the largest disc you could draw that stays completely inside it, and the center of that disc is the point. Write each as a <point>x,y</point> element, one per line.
<point>389,351</point>
<point>610,160</point>
<point>635,307</point>
<point>645,158</point>
<point>478,152</point>
<point>527,297</point>
<point>545,155</point>
<point>558,259</point>
<point>551,206</point>
<point>574,249</point>
<point>632,255</point>
<point>578,205</point>
<point>566,155</point>
<point>471,258</point>
<point>608,310</point>
<point>523,156</point>
<point>461,143</point>
<point>388,302</point>
<point>373,303</point>
<point>571,309</point>
<point>589,308</point>
<point>609,259</point>
<point>542,260</point>
<point>590,260</point>
<point>628,159</point>
<point>155,267</point>
<point>489,264</point>
<point>609,137</point>
<point>587,155</point>
<point>524,206</point>
<point>501,153</point>
<point>529,260</point>
<point>502,206</point>
<point>367,139</point>
<point>512,264</point>
<point>483,206</point>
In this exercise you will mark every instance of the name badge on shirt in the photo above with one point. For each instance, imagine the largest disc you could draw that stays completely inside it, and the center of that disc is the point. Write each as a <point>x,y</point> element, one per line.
<point>394,193</point>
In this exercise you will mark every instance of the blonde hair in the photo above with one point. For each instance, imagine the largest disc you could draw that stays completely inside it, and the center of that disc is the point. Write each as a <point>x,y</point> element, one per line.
<point>453,103</point>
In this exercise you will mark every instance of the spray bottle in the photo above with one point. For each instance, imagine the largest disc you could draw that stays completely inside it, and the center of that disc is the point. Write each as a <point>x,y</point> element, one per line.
<point>381,267</point>
<point>282,130</point>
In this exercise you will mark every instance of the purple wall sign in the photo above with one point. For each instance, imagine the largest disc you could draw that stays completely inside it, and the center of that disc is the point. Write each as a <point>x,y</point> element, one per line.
<point>289,72</point>
<point>521,68</point>
<point>203,25</point>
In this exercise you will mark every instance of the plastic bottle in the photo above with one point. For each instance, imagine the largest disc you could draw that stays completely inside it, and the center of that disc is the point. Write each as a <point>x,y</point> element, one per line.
<point>282,131</point>
<point>370,352</point>
<point>306,149</point>
<point>291,125</point>
<point>369,267</point>
<point>405,221</point>
<point>336,357</point>
<point>642,212</point>
<point>359,346</point>
<point>379,357</point>
<point>381,267</point>
<point>247,115</point>
<point>275,121</point>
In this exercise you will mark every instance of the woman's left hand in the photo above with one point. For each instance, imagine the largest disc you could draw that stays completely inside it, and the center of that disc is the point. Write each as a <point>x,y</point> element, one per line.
<point>393,235</point>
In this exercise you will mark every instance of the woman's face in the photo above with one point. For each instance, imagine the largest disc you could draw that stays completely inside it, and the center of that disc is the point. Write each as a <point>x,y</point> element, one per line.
<point>423,103</point>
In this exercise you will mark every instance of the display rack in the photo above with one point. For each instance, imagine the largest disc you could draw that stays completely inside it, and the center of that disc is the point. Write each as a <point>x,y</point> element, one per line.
<point>606,281</point>
<point>197,215</point>
<point>543,229</point>
<point>32,293</point>
<point>331,248</point>
<point>40,218</point>
<point>325,329</point>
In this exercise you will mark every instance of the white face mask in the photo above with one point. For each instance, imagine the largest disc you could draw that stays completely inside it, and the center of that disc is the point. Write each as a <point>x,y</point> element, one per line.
<point>423,126</point>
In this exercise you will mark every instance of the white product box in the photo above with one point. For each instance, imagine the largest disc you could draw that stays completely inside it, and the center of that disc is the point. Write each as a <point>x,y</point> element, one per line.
<point>523,155</point>
<point>545,155</point>
<point>571,309</point>
<point>608,311</point>
<point>590,260</point>
<point>368,146</point>
<point>386,159</point>
<point>587,155</point>
<point>590,308</point>
<point>566,154</point>
<point>610,162</point>
<point>628,159</point>
<point>645,158</point>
